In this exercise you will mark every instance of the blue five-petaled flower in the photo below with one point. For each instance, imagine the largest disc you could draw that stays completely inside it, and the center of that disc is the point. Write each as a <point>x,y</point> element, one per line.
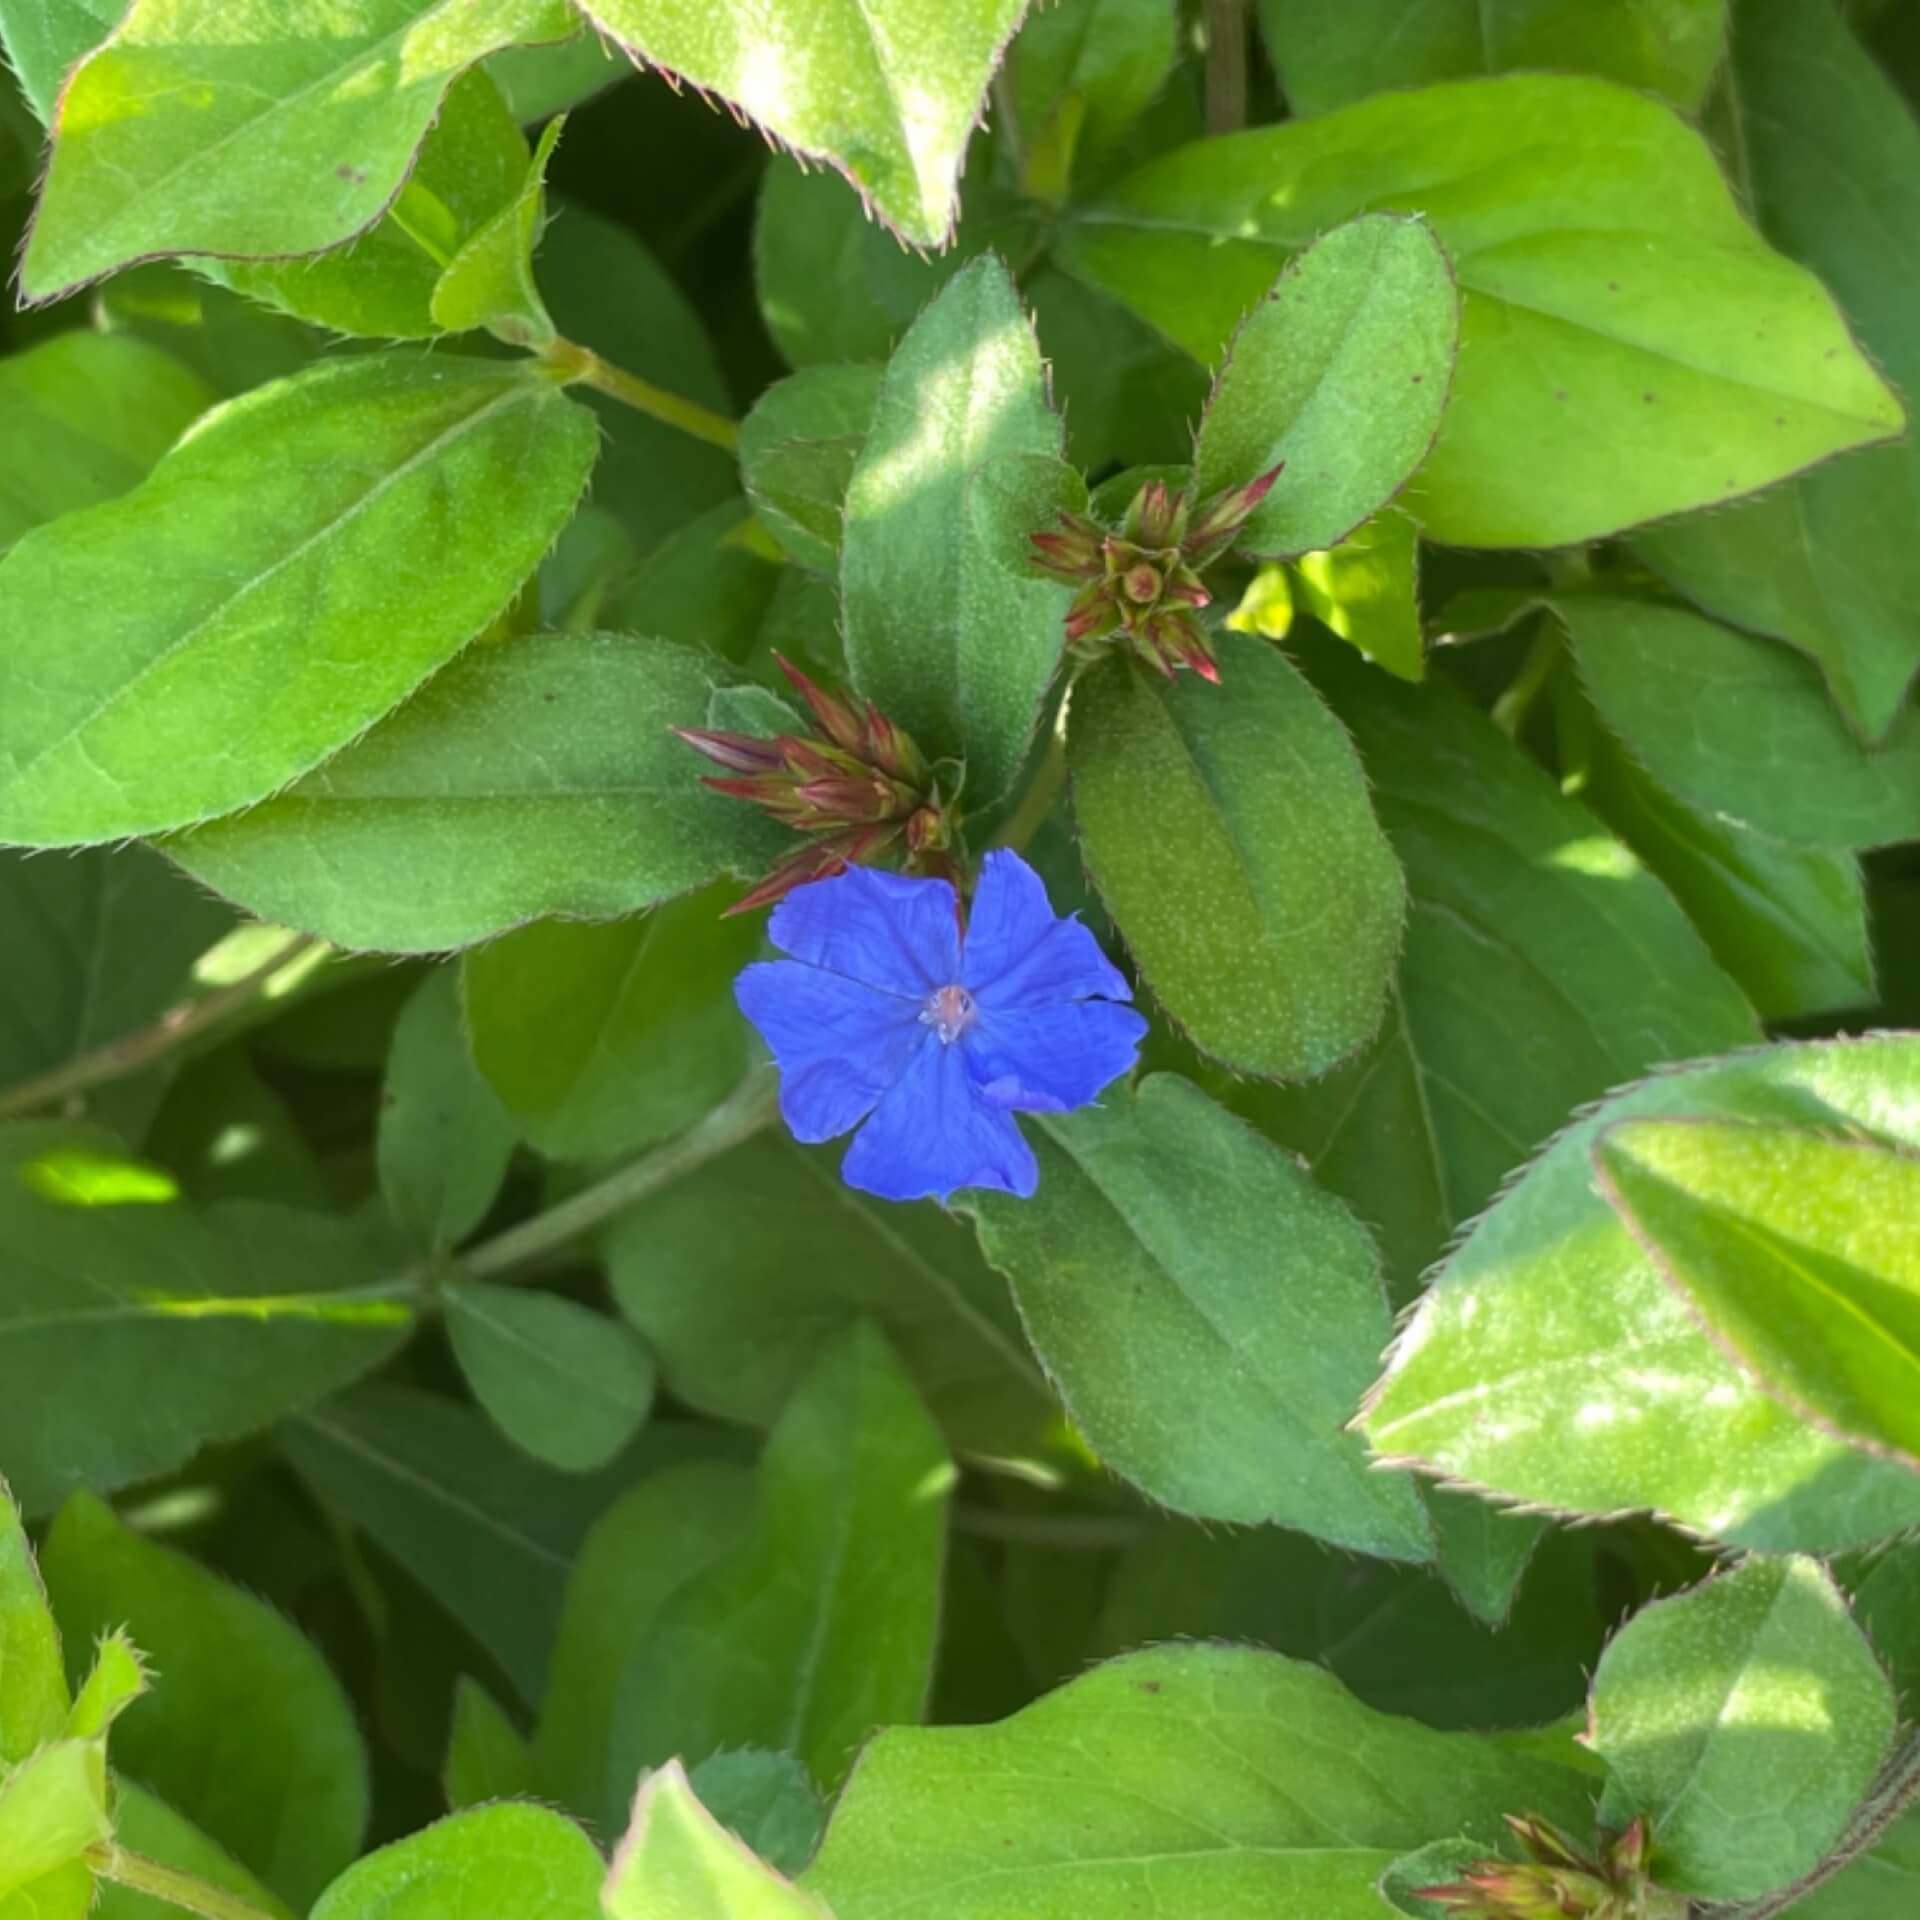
<point>886,1014</point>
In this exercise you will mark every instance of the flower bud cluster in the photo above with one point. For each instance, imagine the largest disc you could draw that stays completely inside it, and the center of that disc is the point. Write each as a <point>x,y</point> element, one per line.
<point>1557,1881</point>
<point>858,787</point>
<point>1142,582</point>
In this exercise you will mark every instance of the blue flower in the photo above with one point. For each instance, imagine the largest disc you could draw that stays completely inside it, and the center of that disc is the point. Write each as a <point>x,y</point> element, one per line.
<point>887,1015</point>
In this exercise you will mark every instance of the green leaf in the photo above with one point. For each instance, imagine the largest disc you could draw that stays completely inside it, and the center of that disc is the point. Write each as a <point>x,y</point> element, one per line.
<point>832,285</point>
<point>649,1544</point>
<point>1788,923</point>
<point>677,1862</point>
<point>1213,1780</point>
<point>602,285</point>
<point>1332,52</point>
<point>115,1680</point>
<point>443,1141</point>
<point>65,1894</point>
<point>567,1384</point>
<point>1367,590</point>
<point>230,342</point>
<point>1664,679</point>
<point>885,91</point>
<point>1629,348</point>
<point>140,927</point>
<point>1883,1585</point>
<point>708,585</point>
<point>53,1807</point>
<point>1550,1363</point>
<point>1747,1719</point>
<point>821,1625</point>
<point>533,778</point>
<point>768,1800</point>
<point>1508,1011</point>
<point>1392,1634</point>
<point>602,1039</point>
<point>146,1825</point>
<point>133,1331</point>
<point>33,1685</point>
<point>278,607</point>
<point>489,282</point>
<point>486,1757</point>
<point>45,38</point>
<point>488,1531</point>
<point>1825,563</point>
<point>383,285</point>
<point>1436,1864</point>
<point>1338,378</point>
<point>1081,74</point>
<point>1881,1885</point>
<point>1800,1253</point>
<point>1126,394</point>
<point>1210,1316</point>
<point>1828,155</point>
<point>1229,834</point>
<point>767,1236</point>
<point>477,1865</point>
<point>949,630</point>
<point>258,142</point>
<point>541,81</point>
<point>237,1678</point>
<point>97,410</point>
<point>797,452</point>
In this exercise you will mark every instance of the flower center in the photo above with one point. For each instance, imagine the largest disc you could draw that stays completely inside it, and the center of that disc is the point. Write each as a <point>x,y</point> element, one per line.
<point>949,1012</point>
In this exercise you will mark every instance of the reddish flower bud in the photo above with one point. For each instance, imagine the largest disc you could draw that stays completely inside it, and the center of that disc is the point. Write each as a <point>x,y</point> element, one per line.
<point>928,831</point>
<point>1219,520</point>
<point>815,862</point>
<point>892,751</point>
<point>1155,517</point>
<point>1092,614</point>
<point>766,790</point>
<point>1141,583</point>
<point>835,718</point>
<point>1073,553</point>
<point>739,751</point>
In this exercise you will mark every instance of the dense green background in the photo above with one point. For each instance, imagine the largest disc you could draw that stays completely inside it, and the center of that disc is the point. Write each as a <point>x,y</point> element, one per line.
<point>1469,1372</point>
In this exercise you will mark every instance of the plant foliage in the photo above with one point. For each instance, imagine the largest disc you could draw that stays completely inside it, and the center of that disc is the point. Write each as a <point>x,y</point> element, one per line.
<point>1284,1284</point>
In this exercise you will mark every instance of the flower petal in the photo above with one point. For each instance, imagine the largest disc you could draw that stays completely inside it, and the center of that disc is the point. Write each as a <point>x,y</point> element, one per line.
<point>840,1046</point>
<point>1051,1059</point>
<point>934,1133</point>
<point>894,934</point>
<point>1020,953</point>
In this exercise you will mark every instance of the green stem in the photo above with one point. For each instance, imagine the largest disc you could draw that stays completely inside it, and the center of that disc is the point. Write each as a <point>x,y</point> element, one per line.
<point>572,362</point>
<point>1511,709</point>
<point>750,1107</point>
<point>1008,116</point>
<point>1038,800</point>
<point>177,1889</point>
<point>141,1048</point>
<point>1226,65</point>
<point>1070,1532</point>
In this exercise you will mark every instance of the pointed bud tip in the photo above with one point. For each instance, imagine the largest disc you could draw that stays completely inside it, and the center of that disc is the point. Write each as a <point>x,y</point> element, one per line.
<point>1257,490</point>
